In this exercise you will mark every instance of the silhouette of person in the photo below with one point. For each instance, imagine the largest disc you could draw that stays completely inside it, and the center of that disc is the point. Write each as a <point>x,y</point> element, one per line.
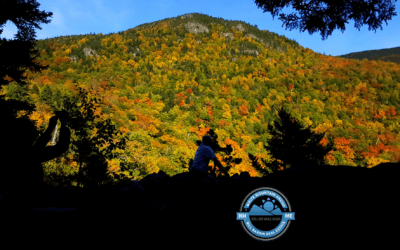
<point>198,170</point>
<point>21,172</point>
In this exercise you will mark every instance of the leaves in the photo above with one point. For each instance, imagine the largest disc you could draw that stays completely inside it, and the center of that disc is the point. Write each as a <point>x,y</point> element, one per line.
<point>292,145</point>
<point>156,91</point>
<point>94,142</point>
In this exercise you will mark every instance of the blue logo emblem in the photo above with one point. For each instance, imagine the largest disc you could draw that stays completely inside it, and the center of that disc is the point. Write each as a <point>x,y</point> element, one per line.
<point>265,214</point>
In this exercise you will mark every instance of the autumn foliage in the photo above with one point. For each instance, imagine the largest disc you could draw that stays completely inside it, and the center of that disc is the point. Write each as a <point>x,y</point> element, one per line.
<point>156,82</point>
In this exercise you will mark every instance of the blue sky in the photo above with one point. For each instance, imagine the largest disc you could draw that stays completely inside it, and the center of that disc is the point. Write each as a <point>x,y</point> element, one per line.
<point>75,17</point>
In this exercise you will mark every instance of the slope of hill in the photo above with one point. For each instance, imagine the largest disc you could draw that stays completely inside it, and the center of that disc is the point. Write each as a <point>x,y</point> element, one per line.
<point>166,84</point>
<point>386,55</point>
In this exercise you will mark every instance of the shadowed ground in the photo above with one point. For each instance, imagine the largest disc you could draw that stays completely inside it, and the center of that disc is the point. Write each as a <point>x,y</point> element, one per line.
<point>334,205</point>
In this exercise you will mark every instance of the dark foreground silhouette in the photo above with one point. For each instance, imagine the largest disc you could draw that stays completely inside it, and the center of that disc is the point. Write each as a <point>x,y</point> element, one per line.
<point>21,171</point>
<point>335,205</point>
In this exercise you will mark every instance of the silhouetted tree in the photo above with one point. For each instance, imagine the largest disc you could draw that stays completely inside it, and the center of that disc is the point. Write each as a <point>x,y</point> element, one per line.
<point>19,54</point>
<point>327,15</point>
<point>293,145</point>
<point>87,149</point>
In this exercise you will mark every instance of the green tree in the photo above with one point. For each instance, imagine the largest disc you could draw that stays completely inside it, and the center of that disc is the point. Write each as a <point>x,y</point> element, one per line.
<point>18,93</point>
<point>35,89</point>
<point>46,95</point>
<point>293,145</point>
<point>325,16</point>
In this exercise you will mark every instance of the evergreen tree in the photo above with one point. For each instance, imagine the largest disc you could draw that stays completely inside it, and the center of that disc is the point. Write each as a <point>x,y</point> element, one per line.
<point>46,95</point>
<point>57,100</point>
<point>35,89</point>
<point>293,145</point>
<point>19,54</point>
<point>19,93</point>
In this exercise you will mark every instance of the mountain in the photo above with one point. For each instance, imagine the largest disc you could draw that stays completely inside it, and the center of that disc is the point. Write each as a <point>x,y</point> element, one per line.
<point>165,84</point>
<point>386,55</point>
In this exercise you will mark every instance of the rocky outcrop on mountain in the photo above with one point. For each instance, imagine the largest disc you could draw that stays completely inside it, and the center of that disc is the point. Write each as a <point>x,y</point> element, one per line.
<point>252,36</point>
<point>196,28</point>
<point>186,16</point>
<point>134,54</point>
<point>227,35</point>
<point>90,52</point>
<point>255,37</point>
<point>73,58</point>
<point>240,27</point>
<point>251,51</point>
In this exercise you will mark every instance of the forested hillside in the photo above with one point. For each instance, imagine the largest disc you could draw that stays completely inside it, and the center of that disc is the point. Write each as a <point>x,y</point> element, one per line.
<point>386,55</point>
<point>166,84</point>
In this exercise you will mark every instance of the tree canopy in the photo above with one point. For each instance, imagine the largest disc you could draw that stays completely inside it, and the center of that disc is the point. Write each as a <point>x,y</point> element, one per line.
<point>292,144</point>
<point>164,100</point>
<point>327,15</point>
<point>18,54</point>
